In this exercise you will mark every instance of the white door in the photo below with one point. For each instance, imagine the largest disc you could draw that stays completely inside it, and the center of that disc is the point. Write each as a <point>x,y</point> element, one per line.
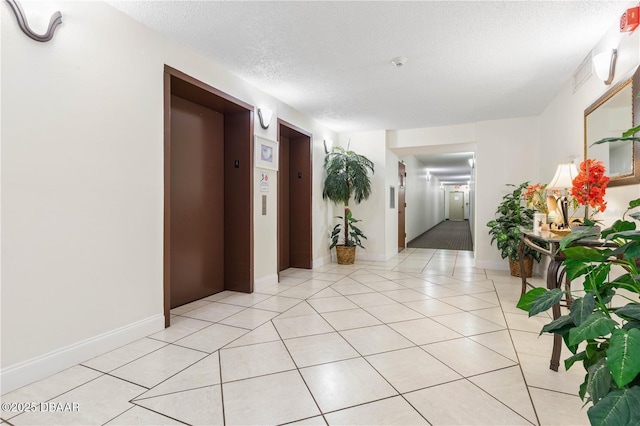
<point>456,205</point>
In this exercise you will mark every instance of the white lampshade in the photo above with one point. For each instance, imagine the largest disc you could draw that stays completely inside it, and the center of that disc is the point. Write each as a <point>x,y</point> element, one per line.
<point>563,179</point>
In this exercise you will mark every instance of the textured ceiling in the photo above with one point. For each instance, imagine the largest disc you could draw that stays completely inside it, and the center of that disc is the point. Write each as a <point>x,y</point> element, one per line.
<point>467,60</point>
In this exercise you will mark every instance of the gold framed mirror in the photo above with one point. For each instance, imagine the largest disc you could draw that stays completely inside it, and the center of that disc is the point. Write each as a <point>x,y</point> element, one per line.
<point>608,117</point>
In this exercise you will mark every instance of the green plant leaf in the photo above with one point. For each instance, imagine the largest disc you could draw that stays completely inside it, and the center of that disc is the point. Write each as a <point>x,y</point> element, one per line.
<point>529,297</point>
<point>623,355</point>
<point>583,387</point>
<point>591,349</point>
<point>581,308</point>
<point>580,356</point>
<point>630,132</point>
<point>596,325</point>
<point>545,300</point>
<point>599,382</point>
<point>633,252</point>
<point>576,268</point>
<point>625,235</point>
<point>618,226</point>
<point>631,324</point>
<point>559,326</point>
<point>619,407</point>
<point>618,139</point>
<point>594,279</point>
<point>582,253</point>
<point>634,203</point>
<point>630,310</point>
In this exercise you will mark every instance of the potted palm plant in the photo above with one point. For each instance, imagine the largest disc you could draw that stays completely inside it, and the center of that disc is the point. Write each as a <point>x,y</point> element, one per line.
<point>505,230</point>
<point>347,177</point>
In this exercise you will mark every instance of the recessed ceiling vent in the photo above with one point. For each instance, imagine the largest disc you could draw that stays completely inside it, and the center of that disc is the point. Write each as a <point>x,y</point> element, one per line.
<point>583,72</point>
<point>399,61</point>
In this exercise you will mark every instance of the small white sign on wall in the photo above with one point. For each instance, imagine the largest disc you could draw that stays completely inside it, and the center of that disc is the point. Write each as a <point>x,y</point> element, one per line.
<point>264,182</point>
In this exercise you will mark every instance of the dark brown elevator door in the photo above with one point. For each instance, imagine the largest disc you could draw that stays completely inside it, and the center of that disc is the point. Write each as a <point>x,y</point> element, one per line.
<point>284,207</point>
<point>294,200</point>
<point>197,202</point>
<point>300,202</point>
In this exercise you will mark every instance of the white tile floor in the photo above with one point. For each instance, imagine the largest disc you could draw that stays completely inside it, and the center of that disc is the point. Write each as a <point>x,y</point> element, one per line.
<point>421,339</point>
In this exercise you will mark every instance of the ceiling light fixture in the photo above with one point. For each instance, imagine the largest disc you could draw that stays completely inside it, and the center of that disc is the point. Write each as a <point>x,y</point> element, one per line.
<point>399,61</point>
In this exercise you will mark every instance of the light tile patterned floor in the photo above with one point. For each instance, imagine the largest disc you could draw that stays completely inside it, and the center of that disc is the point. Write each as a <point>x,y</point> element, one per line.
<point>421,339</point>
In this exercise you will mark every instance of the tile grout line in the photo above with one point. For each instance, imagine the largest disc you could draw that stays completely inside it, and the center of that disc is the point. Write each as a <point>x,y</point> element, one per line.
<point>524,377</point>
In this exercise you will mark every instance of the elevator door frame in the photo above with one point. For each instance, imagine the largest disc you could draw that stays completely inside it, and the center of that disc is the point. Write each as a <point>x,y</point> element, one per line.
<point>307,263</point>
<point>238,162</point>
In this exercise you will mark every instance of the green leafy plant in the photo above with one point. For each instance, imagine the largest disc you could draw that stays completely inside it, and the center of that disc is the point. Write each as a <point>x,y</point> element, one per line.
<point>347,177</point>
<point>512,214</point>
<point>354,232</point>
<point>604,337</point>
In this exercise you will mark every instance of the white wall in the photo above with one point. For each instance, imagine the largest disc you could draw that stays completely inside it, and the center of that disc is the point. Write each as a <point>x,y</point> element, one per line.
<point>446,137</point>
<point>425,208</point>
<point>507,153</point>
<point>82,185</point>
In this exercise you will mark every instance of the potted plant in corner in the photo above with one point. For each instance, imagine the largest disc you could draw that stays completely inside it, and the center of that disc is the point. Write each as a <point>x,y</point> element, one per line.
<point>347,177</point>
<point>505,230</point>
<point>602,327</point>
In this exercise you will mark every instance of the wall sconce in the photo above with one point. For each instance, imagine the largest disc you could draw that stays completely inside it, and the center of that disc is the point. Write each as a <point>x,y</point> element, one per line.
<point>328,144</point>
<point>471,162</point>
<point>428,176</point>
<point>56,19</point>
<point>265,114</point>
<point>563,180</point>
<point>604,65</point>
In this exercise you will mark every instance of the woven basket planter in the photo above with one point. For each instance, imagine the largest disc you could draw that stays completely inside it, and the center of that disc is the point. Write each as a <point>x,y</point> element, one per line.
<point>514,266</point>
<point>346,255</point>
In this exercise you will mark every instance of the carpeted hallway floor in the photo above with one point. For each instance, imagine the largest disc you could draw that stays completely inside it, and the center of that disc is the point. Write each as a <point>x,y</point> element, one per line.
<point>449,235</point>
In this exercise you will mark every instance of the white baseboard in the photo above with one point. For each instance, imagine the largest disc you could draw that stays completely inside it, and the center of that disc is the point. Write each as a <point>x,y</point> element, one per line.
<point>362,255</point>
<point>316,263</point>
<point>501,265</point>
<point>29,371</point>
<point>263,282</point>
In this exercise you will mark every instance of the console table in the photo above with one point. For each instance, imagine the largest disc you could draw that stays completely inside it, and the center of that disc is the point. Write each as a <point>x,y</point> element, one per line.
<point>555,274</point>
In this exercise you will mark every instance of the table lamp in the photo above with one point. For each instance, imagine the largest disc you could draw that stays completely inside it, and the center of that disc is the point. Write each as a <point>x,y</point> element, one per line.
<point>562,181</point>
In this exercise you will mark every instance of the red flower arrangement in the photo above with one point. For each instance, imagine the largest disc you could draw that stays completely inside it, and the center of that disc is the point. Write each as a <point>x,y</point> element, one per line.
<point>590,186</point>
